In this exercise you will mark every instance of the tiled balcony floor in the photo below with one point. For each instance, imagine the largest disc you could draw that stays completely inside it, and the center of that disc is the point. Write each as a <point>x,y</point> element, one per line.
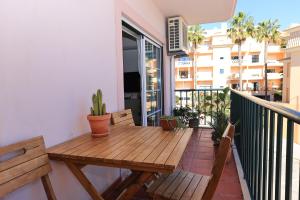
<point>199,157</point>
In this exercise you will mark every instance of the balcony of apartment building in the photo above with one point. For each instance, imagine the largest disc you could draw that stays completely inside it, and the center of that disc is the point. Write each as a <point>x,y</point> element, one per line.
<point>51,71</point>
<point>256,60</point>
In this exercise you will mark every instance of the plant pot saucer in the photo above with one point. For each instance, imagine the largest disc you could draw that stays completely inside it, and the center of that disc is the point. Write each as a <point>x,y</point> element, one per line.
<point>100,135</point>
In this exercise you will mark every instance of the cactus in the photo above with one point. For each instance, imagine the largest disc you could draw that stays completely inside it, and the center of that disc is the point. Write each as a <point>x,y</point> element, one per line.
<point>104,108</point>
<point>98,108</point>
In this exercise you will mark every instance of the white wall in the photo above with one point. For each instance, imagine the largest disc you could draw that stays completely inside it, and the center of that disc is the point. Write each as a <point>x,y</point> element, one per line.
<point>53,55</point>
<point>155,18</point>
<point>220,80</point>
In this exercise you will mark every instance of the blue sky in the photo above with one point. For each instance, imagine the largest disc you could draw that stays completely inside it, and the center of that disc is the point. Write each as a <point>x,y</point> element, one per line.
<point>286,11</point>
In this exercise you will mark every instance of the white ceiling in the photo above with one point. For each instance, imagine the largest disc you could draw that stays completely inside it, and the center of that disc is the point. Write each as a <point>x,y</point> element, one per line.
<point>198,11</point>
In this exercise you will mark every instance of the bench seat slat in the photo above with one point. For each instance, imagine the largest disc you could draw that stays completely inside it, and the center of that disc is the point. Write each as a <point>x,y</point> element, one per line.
<point>24,179</point>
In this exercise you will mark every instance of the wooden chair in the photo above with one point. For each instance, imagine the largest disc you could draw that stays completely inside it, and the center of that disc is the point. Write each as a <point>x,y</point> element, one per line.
<point>122,118</point>
<point>186,185</point>
<point>22,163</point>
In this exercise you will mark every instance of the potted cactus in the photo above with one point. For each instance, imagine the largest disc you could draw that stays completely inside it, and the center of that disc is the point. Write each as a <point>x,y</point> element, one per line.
<point>99,120</point>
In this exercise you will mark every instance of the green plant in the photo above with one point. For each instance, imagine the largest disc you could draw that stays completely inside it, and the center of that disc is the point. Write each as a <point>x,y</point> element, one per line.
<point>186,115</point>
<point>217,101</point>
<point>182,113</point>
<point>220,115</point>
<point>219,123</point>
<point>98,108</point>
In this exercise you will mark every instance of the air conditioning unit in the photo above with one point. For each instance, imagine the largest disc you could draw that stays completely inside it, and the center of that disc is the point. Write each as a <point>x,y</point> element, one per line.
<point>177,36</point>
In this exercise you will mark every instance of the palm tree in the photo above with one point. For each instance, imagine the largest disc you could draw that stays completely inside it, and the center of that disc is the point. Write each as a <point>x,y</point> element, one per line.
<point>195,37</point>
<point>241,27</point>
<point>267,32</point>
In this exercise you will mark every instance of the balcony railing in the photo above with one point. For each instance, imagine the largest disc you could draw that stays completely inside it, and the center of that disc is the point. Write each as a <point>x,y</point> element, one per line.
<point>266,146</point>
<point>201,100</point>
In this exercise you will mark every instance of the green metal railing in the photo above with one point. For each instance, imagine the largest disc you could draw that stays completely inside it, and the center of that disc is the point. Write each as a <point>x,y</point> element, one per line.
<point>263,129</point>
<point>199,99</point>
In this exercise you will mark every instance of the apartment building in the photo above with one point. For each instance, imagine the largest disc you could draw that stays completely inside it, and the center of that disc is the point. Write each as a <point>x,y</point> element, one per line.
<point>216,64</point>
<point>291,90</point>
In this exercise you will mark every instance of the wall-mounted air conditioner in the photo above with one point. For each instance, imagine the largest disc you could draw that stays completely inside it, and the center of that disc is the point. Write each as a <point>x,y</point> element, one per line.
<point>177,36</point>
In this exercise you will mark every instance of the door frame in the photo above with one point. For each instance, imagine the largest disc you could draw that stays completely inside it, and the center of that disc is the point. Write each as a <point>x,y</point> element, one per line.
<point>145,116</point>
<point>142,37</point>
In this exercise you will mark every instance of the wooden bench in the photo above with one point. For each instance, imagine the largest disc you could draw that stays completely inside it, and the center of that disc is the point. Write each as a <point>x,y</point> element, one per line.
<point>22,163</point>
<point>182,185</point>
<point>122,118</point>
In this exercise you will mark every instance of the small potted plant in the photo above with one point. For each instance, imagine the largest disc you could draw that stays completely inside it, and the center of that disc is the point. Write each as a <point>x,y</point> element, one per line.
<point>193,119</point>
<point>218,124</point>
<point>168,123</point>
<point>99,120</point>
<point>219,116</point>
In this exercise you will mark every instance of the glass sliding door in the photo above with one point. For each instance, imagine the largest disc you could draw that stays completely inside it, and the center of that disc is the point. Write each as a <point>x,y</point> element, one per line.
<point>152,83</point>
<point>142,73</point>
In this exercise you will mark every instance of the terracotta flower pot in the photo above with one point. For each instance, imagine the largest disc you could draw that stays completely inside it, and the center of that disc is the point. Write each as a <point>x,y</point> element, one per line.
<point>168,125</point>
<point>99,124</point>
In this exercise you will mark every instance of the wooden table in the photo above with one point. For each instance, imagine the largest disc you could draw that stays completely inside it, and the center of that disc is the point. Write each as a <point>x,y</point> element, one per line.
<point>143,150</point>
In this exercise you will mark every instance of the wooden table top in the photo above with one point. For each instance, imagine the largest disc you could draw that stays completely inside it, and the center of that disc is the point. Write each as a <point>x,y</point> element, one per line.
<point>137,148</point>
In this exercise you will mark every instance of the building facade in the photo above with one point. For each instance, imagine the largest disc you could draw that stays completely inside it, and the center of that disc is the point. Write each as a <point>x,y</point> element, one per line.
<point>291,90</point>
<point>216,64</point>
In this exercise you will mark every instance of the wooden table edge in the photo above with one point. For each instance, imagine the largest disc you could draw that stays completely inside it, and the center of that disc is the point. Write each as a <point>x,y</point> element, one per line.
<point>99,162</point>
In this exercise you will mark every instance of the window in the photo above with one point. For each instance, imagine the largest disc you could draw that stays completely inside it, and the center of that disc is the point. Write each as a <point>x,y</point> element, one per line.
<point>255,58</point>
<point>183,74</point>
<point>221,71</point>
<point>235,86</point>
<point>235,57</point>
<point>270,70</point>
<point>255,86</point>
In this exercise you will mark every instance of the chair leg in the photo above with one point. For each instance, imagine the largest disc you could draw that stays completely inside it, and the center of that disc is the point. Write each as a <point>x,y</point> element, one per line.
<point>48,187</point>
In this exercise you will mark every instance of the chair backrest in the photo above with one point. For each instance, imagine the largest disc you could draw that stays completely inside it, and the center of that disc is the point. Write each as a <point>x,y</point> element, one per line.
<point>22,163</point>
<point>219,162</point>
<point>122,118</point>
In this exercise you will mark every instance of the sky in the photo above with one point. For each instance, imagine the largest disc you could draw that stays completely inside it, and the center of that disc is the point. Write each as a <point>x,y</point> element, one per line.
<point>286,11</point>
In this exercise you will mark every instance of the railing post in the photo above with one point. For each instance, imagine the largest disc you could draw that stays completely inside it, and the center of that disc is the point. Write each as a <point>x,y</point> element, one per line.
<point>234,113</point>
<point>289,160</point>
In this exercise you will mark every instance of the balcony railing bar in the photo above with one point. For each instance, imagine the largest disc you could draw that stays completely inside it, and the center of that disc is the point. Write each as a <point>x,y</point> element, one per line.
<point>289,159</point>
<point>271,156</point>
<point>265,134</point>
<point>278,158</point>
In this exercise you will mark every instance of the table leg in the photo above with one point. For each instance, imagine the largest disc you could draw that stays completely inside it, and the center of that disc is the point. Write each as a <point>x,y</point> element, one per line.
<point>75,169</point>
<point>134,187</point>
<point>115,191</point>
